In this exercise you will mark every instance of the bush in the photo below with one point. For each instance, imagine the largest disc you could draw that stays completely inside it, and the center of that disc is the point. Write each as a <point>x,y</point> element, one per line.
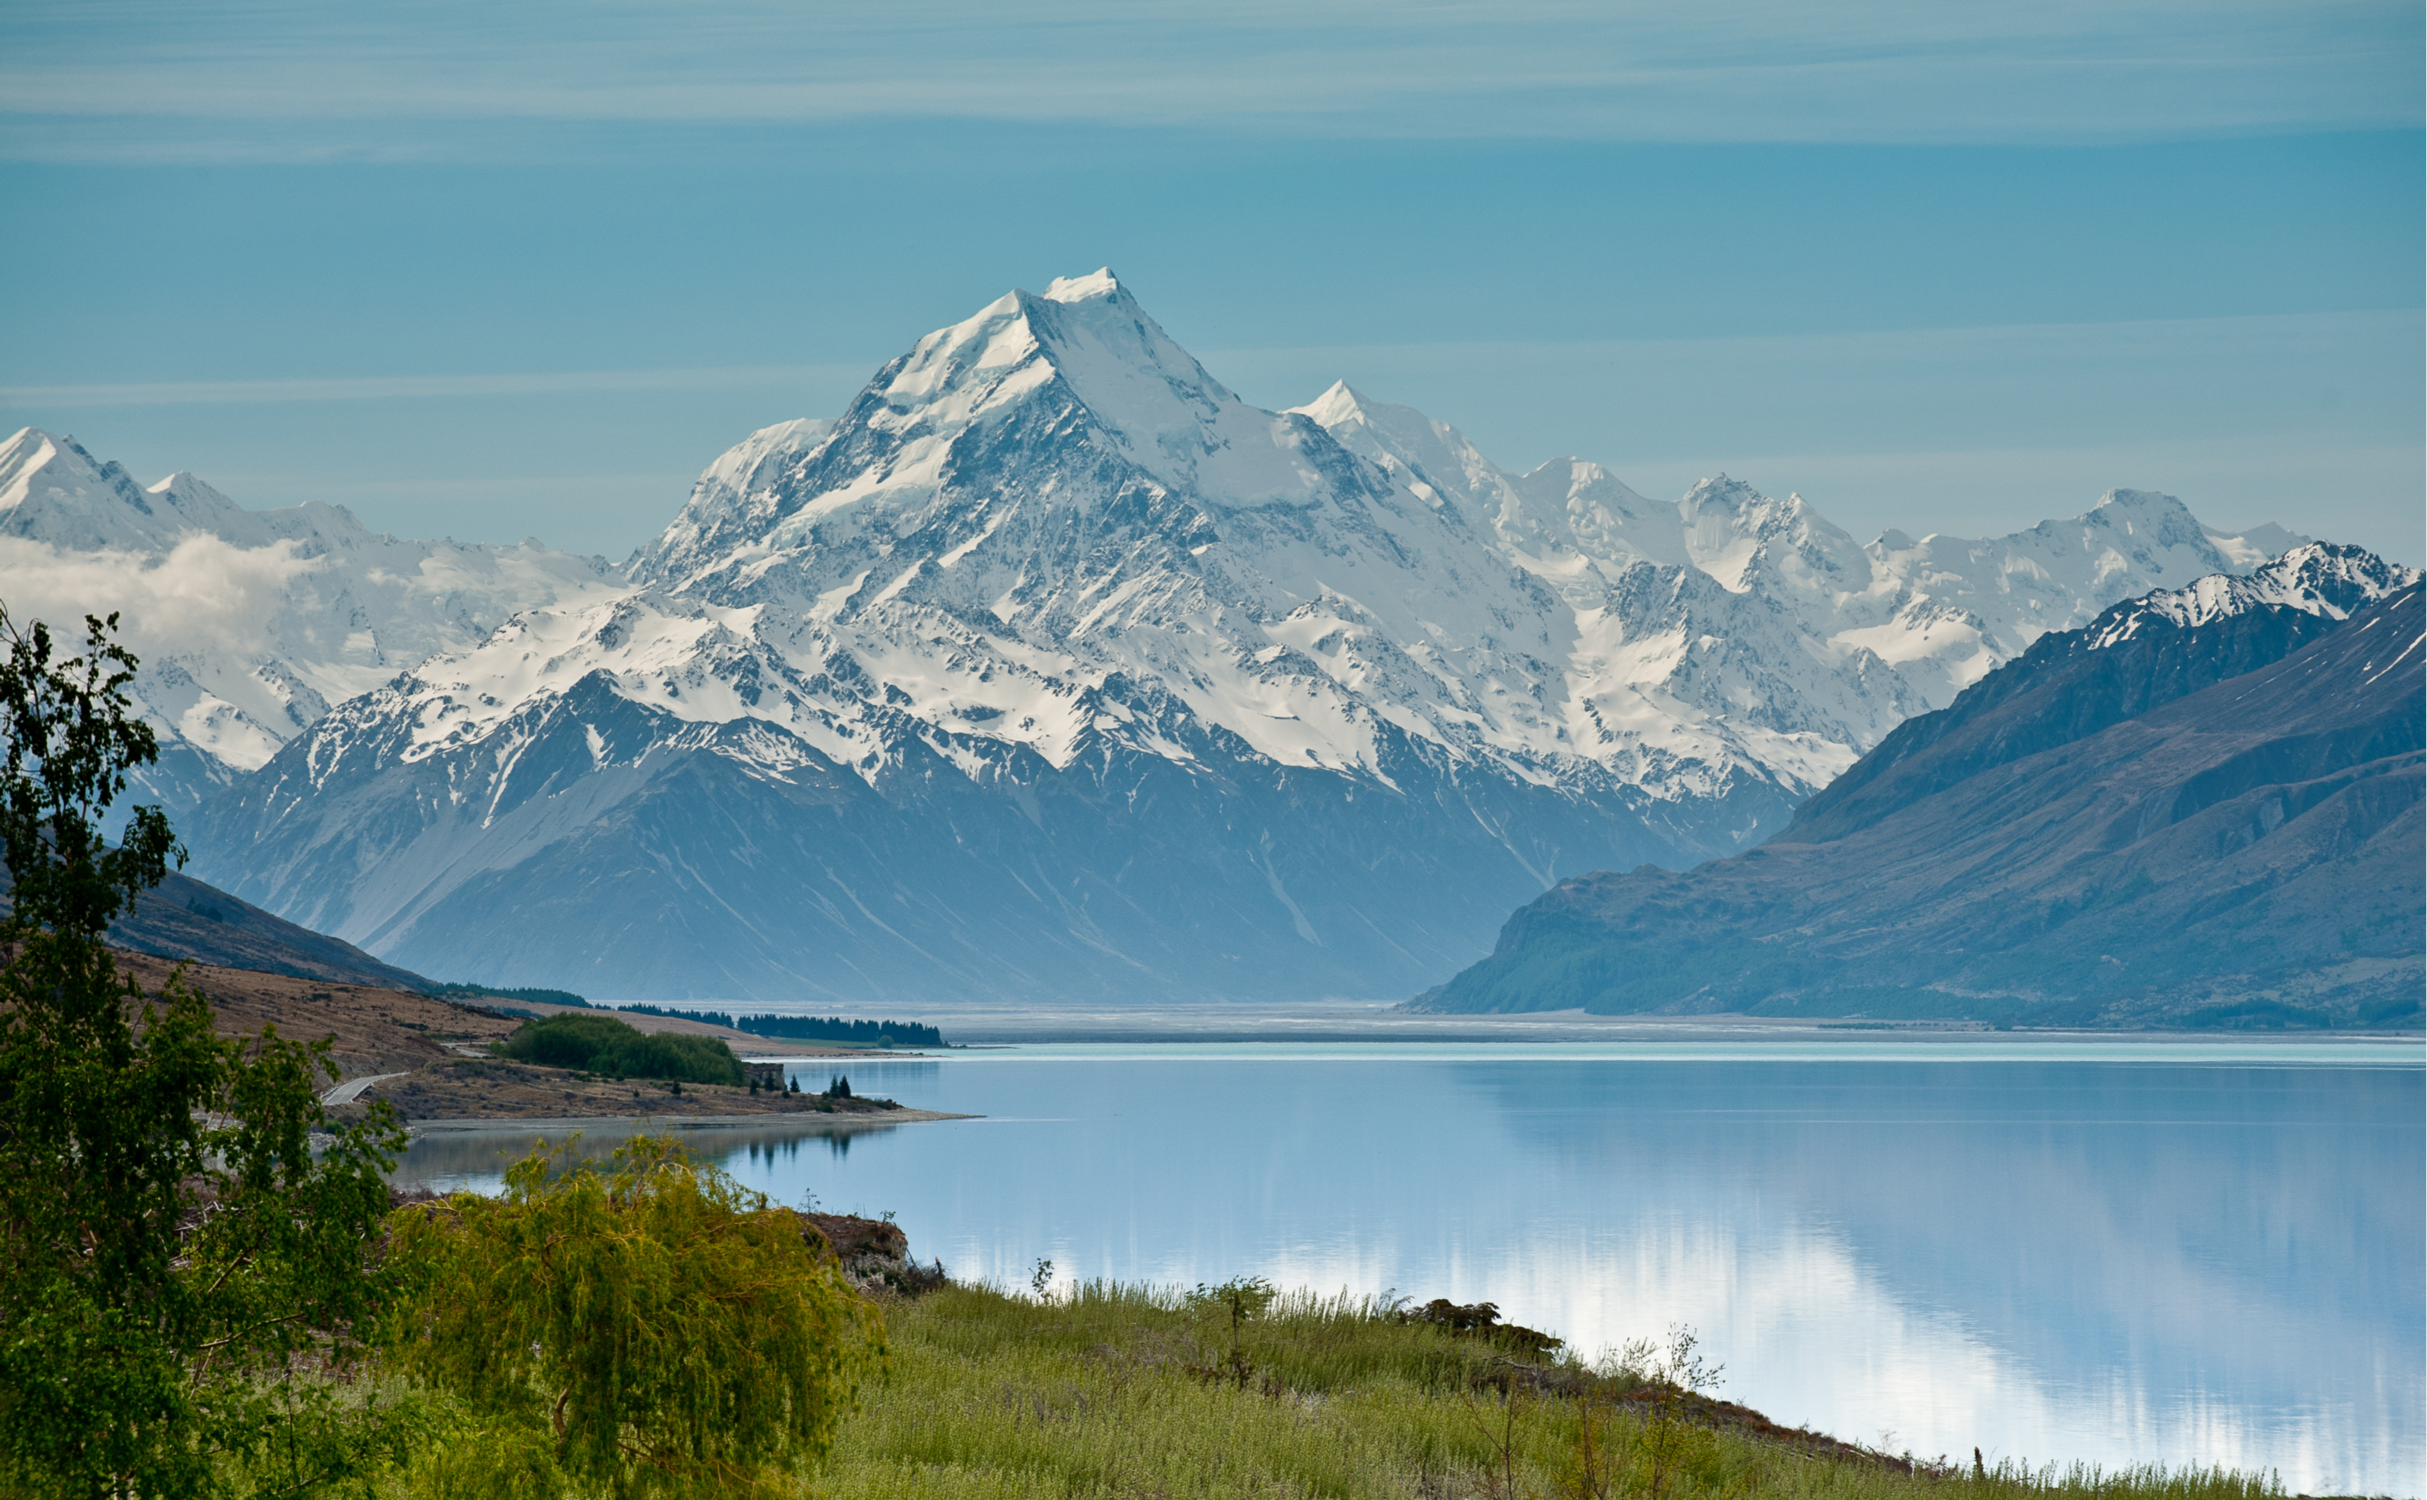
<point>651,1330</point>
<point>603,1044</point>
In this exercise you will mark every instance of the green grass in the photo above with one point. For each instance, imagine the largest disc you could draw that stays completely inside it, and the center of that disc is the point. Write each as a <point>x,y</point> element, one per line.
<point>1114,1391</point>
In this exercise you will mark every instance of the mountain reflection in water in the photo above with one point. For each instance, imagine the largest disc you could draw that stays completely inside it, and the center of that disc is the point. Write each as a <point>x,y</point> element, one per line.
<point>2128,1257</point>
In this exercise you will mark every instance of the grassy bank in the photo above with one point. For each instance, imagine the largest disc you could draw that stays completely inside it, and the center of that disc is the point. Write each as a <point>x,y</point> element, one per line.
<point>1119,1391</point>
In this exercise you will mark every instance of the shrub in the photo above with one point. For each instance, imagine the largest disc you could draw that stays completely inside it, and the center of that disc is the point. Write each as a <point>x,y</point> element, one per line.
<point>651,1330</point>
<point>607,1046</point>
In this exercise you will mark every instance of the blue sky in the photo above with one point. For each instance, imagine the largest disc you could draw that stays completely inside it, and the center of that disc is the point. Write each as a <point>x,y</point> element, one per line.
<point>494,271</point>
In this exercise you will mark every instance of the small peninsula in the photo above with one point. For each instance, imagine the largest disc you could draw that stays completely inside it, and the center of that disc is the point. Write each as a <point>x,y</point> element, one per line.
<point>432,1058</point>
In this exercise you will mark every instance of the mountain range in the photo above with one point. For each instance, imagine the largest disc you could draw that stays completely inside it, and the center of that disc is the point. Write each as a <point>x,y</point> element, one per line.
<point>1049,670</point>
<point>2204,808</point>
<point>250,623</point>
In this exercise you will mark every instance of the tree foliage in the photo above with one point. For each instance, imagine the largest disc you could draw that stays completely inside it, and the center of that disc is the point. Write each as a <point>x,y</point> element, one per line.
<point>650,1330</point>
<point>618,1049</point>
<point>182,1280</point>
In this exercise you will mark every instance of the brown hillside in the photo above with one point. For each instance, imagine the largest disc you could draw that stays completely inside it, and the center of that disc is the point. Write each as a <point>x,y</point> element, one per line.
<point>440,1047</point>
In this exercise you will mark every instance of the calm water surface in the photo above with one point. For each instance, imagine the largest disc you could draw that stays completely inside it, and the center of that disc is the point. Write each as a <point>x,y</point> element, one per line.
<point>2114,1253</point>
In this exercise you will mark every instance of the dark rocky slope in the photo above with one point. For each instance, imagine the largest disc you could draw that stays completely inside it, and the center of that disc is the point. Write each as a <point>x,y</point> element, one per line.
<point>183,918</point>
<point>2143,822</point>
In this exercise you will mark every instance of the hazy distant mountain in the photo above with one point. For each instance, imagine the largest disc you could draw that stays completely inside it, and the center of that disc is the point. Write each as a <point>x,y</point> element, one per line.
<point>2203,808</point>
<point>250,623</point>
<point>1051,669</point>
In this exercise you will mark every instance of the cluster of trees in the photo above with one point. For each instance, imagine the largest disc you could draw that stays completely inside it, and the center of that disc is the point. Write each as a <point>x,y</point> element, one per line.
<point>812,1028</point>
<point>599,1043</point>
<point>480,992</point>
<point>205,1291</point>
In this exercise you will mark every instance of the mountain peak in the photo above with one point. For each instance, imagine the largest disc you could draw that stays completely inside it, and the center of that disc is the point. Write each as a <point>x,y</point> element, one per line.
<point>1082,359</point>
<point>2137,500</point>
<point>1340,402</point>
<point>1148,395</point>
<point>50,487</point>
<point>27,451</point>
<point>2118,504</point>
<point>1084,288</point>
<point>191,497</point>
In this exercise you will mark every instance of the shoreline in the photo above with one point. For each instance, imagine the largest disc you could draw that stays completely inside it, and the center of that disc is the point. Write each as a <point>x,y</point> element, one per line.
<point>975,1027</point>
<point>808,1121</point>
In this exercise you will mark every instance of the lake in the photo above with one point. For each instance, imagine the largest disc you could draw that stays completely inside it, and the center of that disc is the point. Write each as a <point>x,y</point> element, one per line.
<point>2116,1252</point>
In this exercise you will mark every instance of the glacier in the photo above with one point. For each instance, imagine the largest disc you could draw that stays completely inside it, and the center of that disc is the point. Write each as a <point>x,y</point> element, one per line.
<point>1048,670</point>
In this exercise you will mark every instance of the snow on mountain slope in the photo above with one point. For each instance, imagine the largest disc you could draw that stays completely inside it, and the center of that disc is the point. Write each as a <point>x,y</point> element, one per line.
<point>249,623</point>
<point>1053,493</point>
<point>2206,801</point>
<point>1052,668</point>
<point>2316,578</point>
<point>1942,611</point>
<point>1810,647</point>
<point>1953,609</point>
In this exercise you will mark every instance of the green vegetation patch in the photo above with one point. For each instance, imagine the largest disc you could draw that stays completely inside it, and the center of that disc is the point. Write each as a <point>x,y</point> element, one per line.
<point>650,1331</point>
<point>1103,1390</point>
<point>604,1045</point>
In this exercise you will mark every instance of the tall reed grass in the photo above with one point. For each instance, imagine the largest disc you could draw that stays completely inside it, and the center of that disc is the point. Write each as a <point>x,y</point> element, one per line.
<point>1106,1390</point>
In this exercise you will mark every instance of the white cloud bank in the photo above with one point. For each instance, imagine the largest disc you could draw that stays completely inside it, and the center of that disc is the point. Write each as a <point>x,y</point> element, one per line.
<point>204,595</point>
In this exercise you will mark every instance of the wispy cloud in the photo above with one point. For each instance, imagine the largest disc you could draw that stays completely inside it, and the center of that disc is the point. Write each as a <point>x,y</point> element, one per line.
<point>417,387</point>
<point>82,76</point>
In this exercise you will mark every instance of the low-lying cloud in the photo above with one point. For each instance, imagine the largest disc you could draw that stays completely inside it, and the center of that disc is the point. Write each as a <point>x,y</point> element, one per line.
<point>206,594</point>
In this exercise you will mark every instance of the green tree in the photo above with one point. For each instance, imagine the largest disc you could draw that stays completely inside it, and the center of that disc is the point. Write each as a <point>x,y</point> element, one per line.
<point>180,1278</point>
<point>614,1047</point>
<point>650,1330</point>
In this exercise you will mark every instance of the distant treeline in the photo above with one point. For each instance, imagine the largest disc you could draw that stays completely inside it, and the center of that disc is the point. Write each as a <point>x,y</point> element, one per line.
<point>811,1028</point>
<point>528,997</point>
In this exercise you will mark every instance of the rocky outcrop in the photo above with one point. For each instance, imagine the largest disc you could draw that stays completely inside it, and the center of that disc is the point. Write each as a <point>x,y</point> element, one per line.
<point>874,1254</point>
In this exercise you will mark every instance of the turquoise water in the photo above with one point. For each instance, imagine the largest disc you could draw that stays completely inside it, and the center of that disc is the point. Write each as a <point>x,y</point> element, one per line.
<point>2113,1252</point>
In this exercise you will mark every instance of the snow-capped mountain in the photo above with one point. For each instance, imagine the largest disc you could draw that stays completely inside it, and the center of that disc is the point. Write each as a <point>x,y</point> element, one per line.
<point>2202,809</point>
<point>1943,611</point>
<point>1053,669</point>
<point>2316,578</point>
<point>249,623</point>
